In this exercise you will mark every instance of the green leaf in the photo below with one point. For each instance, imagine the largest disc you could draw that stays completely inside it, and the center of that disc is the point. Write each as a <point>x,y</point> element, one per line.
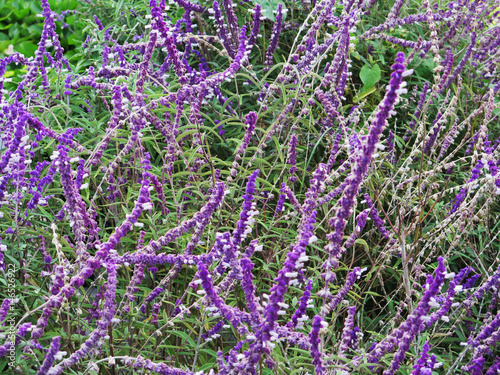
<point>370,76</point>
<point>363,94</point>
<point>21,13</point>
<point>35,31</point>
<point>269,6</point>
<point>27,48</point>
<point>362,242</point>
<point>426,68</point>
<point>118,8</point>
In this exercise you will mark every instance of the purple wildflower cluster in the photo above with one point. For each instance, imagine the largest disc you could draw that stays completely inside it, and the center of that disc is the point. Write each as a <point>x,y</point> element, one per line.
<point>205,183</point>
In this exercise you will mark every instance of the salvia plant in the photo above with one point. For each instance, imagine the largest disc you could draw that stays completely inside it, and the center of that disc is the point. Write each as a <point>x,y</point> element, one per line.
<point>253,188</point>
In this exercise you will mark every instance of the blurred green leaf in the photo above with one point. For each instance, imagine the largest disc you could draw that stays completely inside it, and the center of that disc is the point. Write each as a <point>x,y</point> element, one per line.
<point>27,48</point>
<point>269,6</point>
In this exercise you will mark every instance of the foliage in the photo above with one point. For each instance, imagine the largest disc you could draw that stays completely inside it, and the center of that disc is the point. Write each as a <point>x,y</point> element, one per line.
<point>211,189</point>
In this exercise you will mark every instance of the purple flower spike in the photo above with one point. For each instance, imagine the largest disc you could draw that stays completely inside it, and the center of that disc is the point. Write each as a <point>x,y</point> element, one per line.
<point>250,123</point>
<point>4,309</point>
<point>355,179</point>
<point>49,358</point>
<point>222,30</point>
<point>257,14</point>
<point>243,226</point>
<point>275,34</point>
<point>247,285</point>
<point>317,325</point>
<point>348,333</point>
<point>281,200</point>
<point>351,279</point>
<point>155,367</point>
<point>424,364</point>
<point>404,335</point>
<point>98,23</point>
<point>292,159</point>
<point>233,315</point>
<point>299,317</point>
<point>476,367</point>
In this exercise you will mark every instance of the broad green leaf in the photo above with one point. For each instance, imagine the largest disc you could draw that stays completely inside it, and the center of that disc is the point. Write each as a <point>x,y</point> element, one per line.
<point>269,6</point>
<point>27,48</point>
<point>370,76</point>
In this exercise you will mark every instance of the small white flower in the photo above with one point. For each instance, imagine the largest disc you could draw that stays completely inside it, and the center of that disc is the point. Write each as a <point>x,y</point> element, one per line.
<point>59,355</point>
<point>147,206</point>
<point>433,303</point>
<point>408,72</point>
<point>313,239</point>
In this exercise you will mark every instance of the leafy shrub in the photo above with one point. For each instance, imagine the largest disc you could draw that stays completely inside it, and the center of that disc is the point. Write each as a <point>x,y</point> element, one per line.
<point>209,188</point>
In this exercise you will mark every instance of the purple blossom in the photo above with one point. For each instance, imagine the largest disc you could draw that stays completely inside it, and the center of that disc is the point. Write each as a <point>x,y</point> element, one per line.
<point>338,223</point>
<point>221,29</point>
<point>4,309</point>
<point>317,325</point>
<point>425,364</point>
<point>409,329</point>
<point>299,314</point>
<point>250,122</point>
<point>243,226</point>
<point>418,111</point>
<point>275,34</point>
<point>49,358</point>
<point>376,218</point>
<point>348,332</point>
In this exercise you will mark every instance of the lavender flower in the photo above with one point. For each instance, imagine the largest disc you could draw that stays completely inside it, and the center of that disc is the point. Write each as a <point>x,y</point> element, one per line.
<point>292,158</point>
<point>243,226</point>
<point>348,331</point>
<point>299,317</point>
<point>351,279</point>
<point>462,62</point>
<point>407,331</point>
<point>4,309</point>
<point>221,29</point>
<point>49,358</point>
<point>275,34</point>
<point>250,122</point>
<point>356,177</point>
<point>425,364</point>
<point>317,325</point>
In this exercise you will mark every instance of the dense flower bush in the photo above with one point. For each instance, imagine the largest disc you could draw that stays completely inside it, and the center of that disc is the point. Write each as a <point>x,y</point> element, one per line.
<point>215,189</point>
